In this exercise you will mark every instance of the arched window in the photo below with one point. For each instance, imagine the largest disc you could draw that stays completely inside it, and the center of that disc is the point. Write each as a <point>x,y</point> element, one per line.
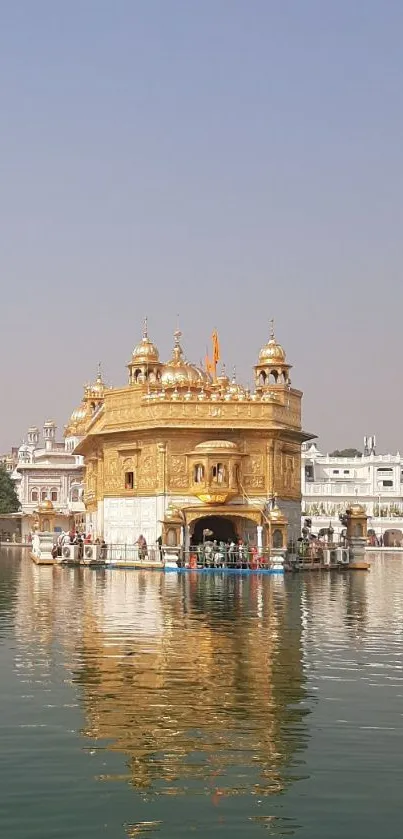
<point>357,530</point>
<point>44,494</point>
<point>277,539</point>
<point>198,473</point>
<point>34,495</point>
<point>273,377</point>
<point>138,376</point>
<point>218,473</point>
<point>54,495</point>
<point>262,378</point>
<point>75,494</point>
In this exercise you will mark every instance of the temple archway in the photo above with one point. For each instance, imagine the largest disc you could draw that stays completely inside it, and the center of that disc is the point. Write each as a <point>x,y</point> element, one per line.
<point>222,528</point>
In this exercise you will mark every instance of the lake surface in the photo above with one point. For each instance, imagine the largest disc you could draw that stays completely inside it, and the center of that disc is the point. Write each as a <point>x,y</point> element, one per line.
<point>138,704</point>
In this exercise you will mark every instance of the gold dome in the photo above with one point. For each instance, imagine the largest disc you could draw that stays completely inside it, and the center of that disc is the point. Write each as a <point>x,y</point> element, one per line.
<point>356,510</point>
<point>145,352</point>
<point>46,505</point>
<point>272,352</point>
<point>276,515</point>
<point>96,389</point>
<point>178,372</point>
<point>78,415</point>
<point>223,379</point>
<point>216,445</point>
<point>234,388</point>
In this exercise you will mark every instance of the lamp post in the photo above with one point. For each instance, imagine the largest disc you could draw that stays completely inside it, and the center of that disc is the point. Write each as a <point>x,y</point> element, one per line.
<point>379,514</point>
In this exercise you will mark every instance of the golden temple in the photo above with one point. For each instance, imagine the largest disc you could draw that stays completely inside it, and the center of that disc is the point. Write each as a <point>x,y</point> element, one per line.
<point>180,449</point>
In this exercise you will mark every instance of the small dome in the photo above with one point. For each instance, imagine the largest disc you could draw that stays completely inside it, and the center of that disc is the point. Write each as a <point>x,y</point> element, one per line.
<point>276,514</point>
<point>79,414</point>
<point>47,505</point>
<point>356,510</point>
<point>234,388</point>
<point>216,445</point>
<point>177,372</point>
<point>96,389</point>
<point>145,352</point>
<point>24,449</point>
<point>272,352</point>
<point>223,379</point>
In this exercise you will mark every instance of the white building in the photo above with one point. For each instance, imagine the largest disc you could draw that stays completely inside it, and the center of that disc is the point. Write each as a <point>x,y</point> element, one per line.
<point>330,484</point>
<point>47,470</point>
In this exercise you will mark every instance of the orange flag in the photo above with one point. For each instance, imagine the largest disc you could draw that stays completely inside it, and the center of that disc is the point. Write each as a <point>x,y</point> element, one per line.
<point>216,347</point>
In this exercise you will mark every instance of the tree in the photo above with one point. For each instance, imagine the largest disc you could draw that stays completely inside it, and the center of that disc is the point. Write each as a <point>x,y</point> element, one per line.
<point>9,502</point>
<point>346,453</point>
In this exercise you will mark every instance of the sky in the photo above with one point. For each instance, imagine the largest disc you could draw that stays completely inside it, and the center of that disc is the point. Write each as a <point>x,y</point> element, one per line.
<point>220,162</point>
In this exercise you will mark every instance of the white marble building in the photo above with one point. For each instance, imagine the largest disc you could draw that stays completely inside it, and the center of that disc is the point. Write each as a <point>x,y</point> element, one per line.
<point>330,484</point>
<point>48,470</point>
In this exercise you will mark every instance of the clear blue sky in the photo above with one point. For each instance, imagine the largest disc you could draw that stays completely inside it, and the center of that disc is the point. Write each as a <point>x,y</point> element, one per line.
<point>225,160</point>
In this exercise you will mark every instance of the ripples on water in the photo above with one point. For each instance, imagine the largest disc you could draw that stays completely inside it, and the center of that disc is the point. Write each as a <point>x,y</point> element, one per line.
<point>140,704</point>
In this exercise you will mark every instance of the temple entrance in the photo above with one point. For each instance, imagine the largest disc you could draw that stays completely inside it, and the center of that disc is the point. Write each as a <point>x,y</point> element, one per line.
<point>222,528</point>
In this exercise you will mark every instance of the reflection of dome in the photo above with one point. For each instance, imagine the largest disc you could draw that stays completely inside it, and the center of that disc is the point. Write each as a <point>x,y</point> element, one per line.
<point>272,352</point>
<point>145,352</point>
<point>276,514</point>
<point>216,445</point>
<point>177,372</point>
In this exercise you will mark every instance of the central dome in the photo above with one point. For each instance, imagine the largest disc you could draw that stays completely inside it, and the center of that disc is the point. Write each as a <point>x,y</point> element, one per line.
<point>178,372</point>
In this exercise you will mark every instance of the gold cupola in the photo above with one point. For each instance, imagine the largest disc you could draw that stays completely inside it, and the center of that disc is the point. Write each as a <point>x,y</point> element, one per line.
<point>272,368</point>
<point>96,390</point>
<point>93,398</point>
<point>145,366</point>
<point>179,373</point>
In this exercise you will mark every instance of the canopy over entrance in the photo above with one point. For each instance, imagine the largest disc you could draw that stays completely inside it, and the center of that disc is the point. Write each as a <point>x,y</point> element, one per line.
<point>222,529</point>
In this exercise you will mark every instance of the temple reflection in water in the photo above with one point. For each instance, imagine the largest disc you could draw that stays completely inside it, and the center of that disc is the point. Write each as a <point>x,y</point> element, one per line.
<point>196,679</point>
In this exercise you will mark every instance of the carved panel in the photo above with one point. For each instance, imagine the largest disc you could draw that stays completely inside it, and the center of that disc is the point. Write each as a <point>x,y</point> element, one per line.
<point>177,472</point>
<point>147,471</point>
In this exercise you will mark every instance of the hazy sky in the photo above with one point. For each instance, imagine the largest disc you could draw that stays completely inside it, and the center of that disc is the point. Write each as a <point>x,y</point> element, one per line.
<point>225,160</point>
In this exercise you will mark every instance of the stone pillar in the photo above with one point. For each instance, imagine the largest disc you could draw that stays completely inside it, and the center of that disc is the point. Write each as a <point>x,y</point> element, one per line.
<point>259,530</point>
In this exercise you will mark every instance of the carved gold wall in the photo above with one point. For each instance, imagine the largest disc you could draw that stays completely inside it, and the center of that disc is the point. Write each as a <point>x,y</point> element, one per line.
<point>163,463</point>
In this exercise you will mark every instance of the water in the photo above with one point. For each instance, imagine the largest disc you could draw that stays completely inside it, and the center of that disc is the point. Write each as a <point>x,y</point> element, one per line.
<point>134,704</point>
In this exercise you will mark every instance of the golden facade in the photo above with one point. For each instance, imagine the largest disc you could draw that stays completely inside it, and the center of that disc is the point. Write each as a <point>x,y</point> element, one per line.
<point>178,445</point>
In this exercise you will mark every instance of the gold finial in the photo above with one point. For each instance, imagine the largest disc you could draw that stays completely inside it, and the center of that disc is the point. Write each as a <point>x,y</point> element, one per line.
<point>145,328</point>
<point>99,375</point>
<point>234,374</point>
<point>272,335</point>
<point>177,337</point>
